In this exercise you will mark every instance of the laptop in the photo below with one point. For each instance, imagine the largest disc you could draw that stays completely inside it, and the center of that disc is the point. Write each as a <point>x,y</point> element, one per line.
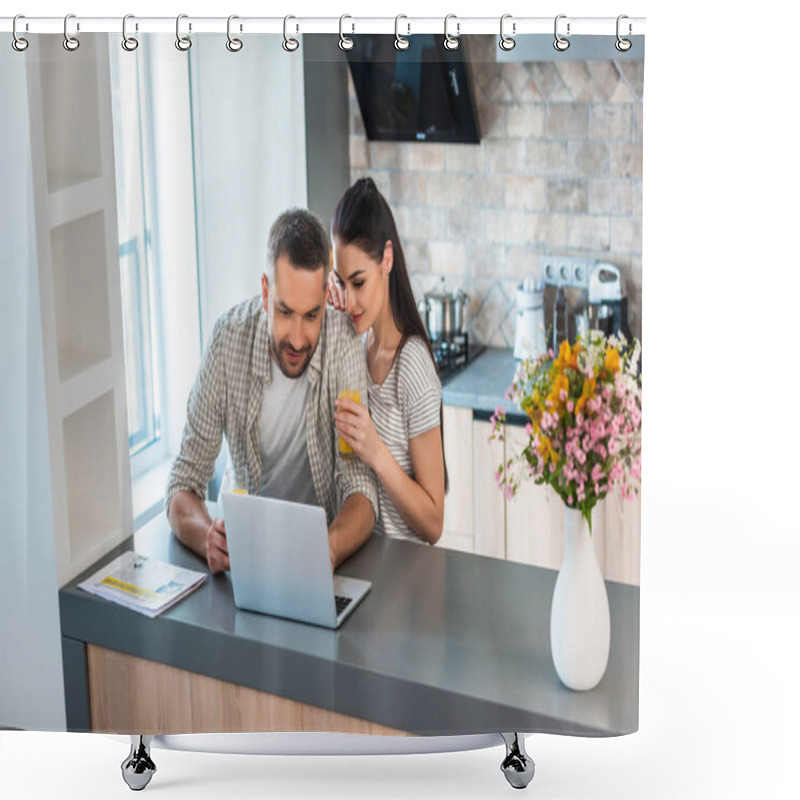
<point>281,563</point>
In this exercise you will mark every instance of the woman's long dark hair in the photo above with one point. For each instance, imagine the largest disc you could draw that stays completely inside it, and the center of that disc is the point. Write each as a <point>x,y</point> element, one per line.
<point>363,217</point>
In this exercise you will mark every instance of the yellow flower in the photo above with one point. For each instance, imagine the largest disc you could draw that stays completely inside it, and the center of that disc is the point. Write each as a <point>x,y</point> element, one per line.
<point>546,449</point>
<point>567,356</point>
<point>612,359</point>
<point>560,382</point>
<point>587,393</point>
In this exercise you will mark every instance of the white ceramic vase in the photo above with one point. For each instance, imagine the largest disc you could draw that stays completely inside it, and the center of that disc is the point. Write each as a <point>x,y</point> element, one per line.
<point>580,626</point>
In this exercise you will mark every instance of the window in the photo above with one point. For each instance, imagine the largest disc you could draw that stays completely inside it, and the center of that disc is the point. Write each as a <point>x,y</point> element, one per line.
<point>138,264</point>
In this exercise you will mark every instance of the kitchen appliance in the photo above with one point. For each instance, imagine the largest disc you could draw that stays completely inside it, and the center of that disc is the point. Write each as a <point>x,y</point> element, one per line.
<point>443,313</point>
<point>424,94</point>
<point>608,305</point>
<point>529,335</point>
<point>582,295</point>
<point>452,355</point>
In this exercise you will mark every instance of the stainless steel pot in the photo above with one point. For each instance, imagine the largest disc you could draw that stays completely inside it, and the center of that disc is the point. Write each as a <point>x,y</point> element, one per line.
<point>443,313</point>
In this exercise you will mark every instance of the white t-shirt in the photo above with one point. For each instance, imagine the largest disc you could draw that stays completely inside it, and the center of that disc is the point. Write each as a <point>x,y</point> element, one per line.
<point>285,469</point>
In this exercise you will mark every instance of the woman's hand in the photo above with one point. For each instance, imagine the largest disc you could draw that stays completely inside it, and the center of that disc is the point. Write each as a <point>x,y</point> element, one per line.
<point>335,295</point>
<point>355,426</point>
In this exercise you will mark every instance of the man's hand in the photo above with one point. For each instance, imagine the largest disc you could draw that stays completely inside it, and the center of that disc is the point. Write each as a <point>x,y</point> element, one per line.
<point>217,547</point>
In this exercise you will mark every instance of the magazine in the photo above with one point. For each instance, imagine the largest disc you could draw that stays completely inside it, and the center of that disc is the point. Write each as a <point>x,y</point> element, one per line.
<point>143,584</point>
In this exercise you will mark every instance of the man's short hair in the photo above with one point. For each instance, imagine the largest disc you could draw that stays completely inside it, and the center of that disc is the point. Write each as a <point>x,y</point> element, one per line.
<point>300,236</point>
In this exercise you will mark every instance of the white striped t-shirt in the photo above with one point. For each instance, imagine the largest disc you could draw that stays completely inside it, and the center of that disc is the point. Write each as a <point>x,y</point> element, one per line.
<point>405,405</point>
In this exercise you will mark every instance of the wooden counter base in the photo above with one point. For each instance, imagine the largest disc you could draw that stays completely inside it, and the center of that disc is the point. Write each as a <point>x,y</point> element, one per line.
<point>133,695</point>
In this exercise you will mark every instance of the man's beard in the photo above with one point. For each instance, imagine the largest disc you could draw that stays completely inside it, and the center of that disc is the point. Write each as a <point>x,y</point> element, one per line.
<point>279,351</point>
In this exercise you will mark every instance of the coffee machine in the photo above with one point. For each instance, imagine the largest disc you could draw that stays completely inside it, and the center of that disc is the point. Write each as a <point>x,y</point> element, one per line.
<point>582,295</point>
<point>607,302</point>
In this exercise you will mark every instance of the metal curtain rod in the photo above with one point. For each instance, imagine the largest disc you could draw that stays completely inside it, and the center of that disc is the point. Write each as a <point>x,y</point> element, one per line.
<point>458,26</point>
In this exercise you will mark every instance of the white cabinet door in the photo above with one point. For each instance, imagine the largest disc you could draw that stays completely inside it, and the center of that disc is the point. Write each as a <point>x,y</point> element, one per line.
<point>488,503</point>
<point>534,518</point>
<point>459,527</point>
<point>623,522</point>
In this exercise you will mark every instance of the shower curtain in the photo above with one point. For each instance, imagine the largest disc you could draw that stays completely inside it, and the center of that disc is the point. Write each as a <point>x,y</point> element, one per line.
<point>139,186</point>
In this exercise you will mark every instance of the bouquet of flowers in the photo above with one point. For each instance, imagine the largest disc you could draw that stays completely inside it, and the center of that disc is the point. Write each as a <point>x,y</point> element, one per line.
<point>585,412</point>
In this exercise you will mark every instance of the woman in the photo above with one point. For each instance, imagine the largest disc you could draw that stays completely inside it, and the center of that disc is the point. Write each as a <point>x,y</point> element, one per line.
<point>402,439</point>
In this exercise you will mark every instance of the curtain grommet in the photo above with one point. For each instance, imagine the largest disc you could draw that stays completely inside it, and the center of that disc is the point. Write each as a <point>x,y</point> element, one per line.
<point>18,43</point>
<point>451,42</point>
<point>70,43</point>
<point>401,42</point>
<point>234,45</point>
<point>622,44</point>
<point>507,42</point>
<point>561,43</point>
<point>289,44</point>
<point>183,43</point>
<point>345,42</point>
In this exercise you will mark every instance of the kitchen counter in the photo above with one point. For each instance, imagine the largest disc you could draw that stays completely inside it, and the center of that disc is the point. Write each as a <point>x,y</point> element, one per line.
<point>445,642</point>
<point>482,385</point>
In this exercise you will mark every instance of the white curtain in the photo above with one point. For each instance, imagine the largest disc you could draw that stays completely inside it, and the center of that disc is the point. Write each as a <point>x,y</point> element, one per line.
<point>31,682</point>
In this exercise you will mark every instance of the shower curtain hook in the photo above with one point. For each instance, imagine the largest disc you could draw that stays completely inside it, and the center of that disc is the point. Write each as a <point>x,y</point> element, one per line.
<point>183,43</point>
<point>507,42</point>
<point>129,43</point>
<point>451,42</point>
<point>623,45</point>
<point>70,43</point>
<point>290,45</point>
<point>234,45</point>
<point>18,43</point>
<point>400,42</point>
<point>345,42</point>
<point>561,43</point>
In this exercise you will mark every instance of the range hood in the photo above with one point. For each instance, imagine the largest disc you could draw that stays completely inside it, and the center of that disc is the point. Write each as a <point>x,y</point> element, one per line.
<point>422,94</point>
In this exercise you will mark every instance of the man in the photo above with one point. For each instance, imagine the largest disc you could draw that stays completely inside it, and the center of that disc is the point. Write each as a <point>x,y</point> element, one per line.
<point>269,380</point>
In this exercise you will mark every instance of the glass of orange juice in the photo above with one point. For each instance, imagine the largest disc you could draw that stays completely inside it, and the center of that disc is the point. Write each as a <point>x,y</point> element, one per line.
<point>345,451</point>
<point>232,482</point>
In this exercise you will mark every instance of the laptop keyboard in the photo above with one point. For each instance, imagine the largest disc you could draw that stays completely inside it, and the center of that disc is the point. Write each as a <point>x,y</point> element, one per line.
<point>342,603</point>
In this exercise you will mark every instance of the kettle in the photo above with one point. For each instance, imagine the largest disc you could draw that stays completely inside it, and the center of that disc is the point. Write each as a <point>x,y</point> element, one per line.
<point>529,335</point>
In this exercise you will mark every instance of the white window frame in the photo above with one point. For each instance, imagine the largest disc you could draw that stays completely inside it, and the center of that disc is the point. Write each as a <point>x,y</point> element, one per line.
<point>173,246</point>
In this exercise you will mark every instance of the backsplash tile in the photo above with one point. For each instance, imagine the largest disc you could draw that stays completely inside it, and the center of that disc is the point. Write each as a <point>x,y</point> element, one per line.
<point>558,171</point>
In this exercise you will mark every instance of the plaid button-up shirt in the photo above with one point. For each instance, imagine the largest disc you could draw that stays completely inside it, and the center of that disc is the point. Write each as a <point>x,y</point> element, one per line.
<point>228,392</point>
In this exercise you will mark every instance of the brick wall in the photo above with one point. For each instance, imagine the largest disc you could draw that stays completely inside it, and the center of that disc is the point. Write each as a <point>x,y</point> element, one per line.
<point>558,172</point>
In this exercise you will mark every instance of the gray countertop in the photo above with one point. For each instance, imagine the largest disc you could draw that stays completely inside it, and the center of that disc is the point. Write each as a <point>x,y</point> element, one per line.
<point>482,385</point>
<point>444,643</point>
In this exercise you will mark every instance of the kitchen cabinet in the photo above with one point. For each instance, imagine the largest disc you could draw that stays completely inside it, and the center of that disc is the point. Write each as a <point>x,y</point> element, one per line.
<point>488,505</point>
<point>528,528</point>
<point>459,520</point>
